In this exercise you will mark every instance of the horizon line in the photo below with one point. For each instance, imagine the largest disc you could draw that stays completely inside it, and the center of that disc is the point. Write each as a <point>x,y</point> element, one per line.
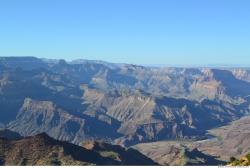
<point>178,65</point>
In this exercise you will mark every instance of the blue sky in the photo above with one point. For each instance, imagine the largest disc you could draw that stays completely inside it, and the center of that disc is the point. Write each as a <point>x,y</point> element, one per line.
<point>131,31</point>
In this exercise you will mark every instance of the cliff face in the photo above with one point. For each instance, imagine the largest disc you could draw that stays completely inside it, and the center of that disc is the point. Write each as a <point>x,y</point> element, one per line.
<point>44,116</point>
<point>125,104</point>
<point>242,74</point>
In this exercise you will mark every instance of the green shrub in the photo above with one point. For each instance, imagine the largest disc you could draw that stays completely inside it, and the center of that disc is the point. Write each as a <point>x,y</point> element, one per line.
<point>248,157</point>
<point>232,159</point>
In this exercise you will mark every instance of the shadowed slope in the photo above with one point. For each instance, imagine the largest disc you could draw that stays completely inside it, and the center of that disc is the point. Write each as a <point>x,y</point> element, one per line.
<point>43,150</point>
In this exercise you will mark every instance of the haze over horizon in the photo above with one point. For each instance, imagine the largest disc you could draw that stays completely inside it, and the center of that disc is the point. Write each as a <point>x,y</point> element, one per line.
<point>215,65</point>
<point>137,32</point>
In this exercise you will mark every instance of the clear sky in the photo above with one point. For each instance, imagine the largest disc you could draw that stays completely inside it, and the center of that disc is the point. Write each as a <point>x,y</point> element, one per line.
<point>131,31</point>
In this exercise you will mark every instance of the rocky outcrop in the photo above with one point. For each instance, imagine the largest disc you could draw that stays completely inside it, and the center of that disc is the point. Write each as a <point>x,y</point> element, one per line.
<point>45,151</point>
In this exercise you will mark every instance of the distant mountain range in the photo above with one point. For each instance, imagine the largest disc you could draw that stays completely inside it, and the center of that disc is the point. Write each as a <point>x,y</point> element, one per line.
<point>118,103</point>
<point>199,65</point>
